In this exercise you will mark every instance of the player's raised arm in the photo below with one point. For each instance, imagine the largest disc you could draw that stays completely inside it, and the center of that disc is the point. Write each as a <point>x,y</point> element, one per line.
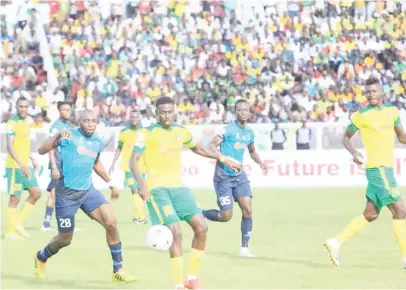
<point>216,142</point>
<point>349,133</point>
<point>53,142</point>
<point>211,152</point>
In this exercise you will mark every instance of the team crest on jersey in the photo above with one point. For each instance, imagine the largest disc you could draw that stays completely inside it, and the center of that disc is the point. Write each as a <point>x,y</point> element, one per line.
<point>390,114</point>
<point>177,137</point>
<point>246,138</point>
<point>83,151</point>
<point>239,145</point>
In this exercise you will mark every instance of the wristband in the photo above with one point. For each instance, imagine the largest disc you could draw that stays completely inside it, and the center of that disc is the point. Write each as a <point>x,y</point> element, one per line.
<point>222,158</point>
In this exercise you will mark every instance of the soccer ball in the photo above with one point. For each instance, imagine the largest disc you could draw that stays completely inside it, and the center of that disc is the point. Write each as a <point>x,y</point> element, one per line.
<point>159,238</point>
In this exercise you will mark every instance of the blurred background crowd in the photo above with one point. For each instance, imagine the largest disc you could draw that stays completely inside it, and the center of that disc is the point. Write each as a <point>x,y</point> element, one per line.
<point>293,60</point>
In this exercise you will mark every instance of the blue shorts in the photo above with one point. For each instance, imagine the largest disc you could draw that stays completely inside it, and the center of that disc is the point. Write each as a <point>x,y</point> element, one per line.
<point>231,189</point>
<point>66,208</point>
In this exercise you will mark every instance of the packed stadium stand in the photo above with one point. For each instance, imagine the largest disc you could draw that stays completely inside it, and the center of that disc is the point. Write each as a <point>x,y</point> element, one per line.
<point>293,60</point>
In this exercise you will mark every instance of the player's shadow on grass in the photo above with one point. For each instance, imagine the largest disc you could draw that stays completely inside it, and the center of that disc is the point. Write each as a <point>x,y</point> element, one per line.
<point>138,248</point>
<point>303,262</point>
<point>31,228</point>
<point>33,283</point>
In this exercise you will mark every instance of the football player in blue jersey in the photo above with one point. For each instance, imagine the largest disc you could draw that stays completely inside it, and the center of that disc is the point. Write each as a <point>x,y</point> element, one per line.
<point>65,111</point>
<point>80,150</point>
<point>232,186</point>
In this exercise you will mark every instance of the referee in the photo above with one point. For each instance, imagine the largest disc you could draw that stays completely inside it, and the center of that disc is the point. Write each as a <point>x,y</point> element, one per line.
<point>278,138</point>
<point>303,137</point>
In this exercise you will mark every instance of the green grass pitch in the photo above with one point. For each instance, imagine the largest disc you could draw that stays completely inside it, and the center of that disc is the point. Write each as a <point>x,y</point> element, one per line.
<point>289,229</point>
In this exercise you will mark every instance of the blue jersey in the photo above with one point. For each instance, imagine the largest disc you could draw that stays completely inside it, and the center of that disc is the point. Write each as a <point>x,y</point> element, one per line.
<point>78,155</point>
<point>235,141</point>
<point>57,127</point>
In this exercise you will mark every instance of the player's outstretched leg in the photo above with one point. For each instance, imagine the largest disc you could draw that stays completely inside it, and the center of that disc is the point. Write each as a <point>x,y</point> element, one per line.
<point>63,239</point>
<point>199,226</point>
<point>399,226</point>
<point>212,215</point>
<point>105,216</point>
<point>224,193</point>
<point>46,225</point>
<point>333,245</point>
<point>246,225</point>
<point>139,216</point>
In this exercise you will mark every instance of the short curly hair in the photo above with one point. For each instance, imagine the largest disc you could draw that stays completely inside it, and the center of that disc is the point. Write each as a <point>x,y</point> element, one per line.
<point>372,80</point>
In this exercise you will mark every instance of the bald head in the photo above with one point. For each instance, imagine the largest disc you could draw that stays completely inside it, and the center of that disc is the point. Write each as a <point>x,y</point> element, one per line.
<point>86,114</point>
<point>87,122</point>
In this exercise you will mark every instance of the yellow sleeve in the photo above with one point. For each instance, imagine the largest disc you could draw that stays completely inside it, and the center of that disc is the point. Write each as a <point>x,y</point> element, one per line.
<point>140,140</point>
<point>188,139</point>
<point>356,122</point>
<point>396,117</point>
<point>10,128</point>
<point>121,139</point>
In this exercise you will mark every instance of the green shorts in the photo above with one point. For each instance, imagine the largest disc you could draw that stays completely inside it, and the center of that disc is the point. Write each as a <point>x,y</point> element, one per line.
<point>171,205</point>
<point>130,181</point>
<point>382,185</point>
<point>17,182</point>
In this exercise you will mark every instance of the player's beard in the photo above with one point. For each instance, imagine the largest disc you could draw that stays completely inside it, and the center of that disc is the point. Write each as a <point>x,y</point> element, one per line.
<point>87,134</point>
<point>242,122</point>
<point>23,115</point>
<point>166,124</point>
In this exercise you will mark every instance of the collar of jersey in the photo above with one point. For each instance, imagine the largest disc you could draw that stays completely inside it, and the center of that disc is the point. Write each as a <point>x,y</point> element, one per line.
<point>375,108</point>
<point>84,135</point>
<point>19,118</point>
<point>235,122</point>
<point>130,128</point>
<point>166,129</point>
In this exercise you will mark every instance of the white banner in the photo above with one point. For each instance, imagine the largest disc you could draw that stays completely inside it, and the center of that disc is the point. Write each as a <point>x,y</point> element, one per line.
<point>287,169</point>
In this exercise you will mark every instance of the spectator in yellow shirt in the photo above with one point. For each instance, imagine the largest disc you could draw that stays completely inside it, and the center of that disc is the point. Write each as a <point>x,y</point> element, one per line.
<point>41,100</point>
<point>186,106</point>
<point>38,121</point>
<point>153,92</point>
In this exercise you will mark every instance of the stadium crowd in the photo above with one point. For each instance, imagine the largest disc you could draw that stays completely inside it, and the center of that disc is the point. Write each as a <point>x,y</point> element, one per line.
<point>293,60</point>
